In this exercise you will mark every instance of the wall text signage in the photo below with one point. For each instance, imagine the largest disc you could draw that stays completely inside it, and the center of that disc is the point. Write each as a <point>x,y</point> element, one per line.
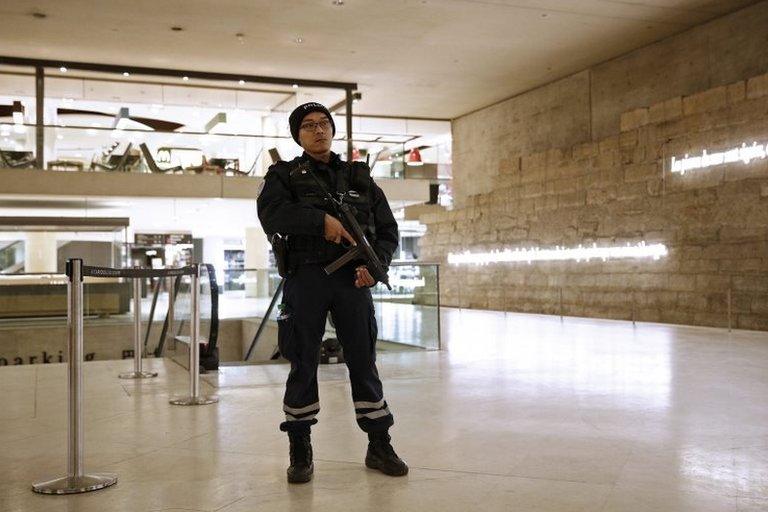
<point>580,253</point>
<point>744,154</point>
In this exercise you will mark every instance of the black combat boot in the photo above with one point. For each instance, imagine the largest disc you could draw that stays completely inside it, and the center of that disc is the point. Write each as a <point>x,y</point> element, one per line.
<point>301,468</point>
<point>382,456</point>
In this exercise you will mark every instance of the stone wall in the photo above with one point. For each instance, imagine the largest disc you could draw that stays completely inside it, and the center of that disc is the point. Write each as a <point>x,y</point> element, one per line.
<point>588,105</point>
<point>620,189</point>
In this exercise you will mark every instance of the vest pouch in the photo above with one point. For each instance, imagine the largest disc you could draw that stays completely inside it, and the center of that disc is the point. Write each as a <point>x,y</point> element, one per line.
<point>362,209</point>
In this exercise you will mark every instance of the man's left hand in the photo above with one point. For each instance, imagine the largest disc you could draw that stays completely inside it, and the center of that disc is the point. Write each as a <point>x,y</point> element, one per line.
<point>363,278</point>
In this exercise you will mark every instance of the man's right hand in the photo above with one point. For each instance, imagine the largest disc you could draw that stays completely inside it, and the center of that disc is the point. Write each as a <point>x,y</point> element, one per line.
<point>335,232</point>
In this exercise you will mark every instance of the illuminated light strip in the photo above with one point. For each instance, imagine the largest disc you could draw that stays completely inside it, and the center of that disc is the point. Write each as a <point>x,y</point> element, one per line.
<point>744,154</point>
<point>579,253</point>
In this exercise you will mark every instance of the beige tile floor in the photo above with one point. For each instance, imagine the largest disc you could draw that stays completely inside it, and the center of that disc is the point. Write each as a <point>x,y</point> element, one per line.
<point>521,412</point>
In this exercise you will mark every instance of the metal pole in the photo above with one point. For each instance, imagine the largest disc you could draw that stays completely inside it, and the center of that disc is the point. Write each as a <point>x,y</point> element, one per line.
<point>349,124</point>
<point>729,310</point>
<point>561,303</point>
<point>634,315</point>
<point>194,397</point>
<point>40,117</point>
<point>150,320</point>
<point>75,371</point>
<point>194,340</point>
<point>171,309</point>
<point>439,331</point>
<point>137,372</point>
<point>264,320</point>
<point>76,480</point>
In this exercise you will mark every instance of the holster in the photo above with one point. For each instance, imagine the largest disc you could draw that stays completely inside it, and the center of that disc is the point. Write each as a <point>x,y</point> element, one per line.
<point>280,250</point>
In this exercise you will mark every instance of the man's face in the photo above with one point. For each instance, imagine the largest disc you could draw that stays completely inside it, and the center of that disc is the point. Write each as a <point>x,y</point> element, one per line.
<point>316,133</point>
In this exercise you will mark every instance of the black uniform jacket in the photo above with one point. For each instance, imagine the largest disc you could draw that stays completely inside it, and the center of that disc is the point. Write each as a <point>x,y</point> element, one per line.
<point>281,212</point>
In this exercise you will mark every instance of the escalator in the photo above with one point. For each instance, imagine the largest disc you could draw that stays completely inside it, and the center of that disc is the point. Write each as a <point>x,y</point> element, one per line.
<point>176,319</point>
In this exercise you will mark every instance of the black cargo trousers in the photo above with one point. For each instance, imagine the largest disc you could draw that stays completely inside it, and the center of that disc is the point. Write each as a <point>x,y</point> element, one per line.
<point>308,295</point>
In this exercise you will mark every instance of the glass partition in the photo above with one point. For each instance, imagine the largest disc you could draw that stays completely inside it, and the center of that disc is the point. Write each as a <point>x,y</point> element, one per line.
<point>33,318</point>
<point>33,312</point>
<point>410,312</point>
<point>407,315</point>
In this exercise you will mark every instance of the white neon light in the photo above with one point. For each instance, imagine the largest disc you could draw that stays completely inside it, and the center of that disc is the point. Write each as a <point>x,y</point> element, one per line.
<point>745,154</point>
<point>579,253</point>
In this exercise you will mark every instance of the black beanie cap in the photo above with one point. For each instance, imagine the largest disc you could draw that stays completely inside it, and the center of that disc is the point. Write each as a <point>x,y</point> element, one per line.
<point>300,112</point>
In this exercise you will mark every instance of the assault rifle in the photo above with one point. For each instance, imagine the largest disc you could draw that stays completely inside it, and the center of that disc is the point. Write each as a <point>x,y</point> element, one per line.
<point>363,249</point>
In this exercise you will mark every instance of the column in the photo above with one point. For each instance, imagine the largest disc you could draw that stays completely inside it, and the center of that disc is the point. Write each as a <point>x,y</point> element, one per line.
<point>257,256</point>
<point>40,252</point>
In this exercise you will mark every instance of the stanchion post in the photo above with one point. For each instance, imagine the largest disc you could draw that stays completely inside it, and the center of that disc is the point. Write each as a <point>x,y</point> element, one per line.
<point>729,310</point>
<point>171,310</point>
<point>634,312</point>
<point>76,480</point>
<point>137,372</point>
<point>194,340</point>
<point>194,397</point>
<point>561,303</point>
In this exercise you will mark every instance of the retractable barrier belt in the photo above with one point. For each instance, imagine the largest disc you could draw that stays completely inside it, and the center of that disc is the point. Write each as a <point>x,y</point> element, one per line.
<point>136,272</point>
<point>76,480</point>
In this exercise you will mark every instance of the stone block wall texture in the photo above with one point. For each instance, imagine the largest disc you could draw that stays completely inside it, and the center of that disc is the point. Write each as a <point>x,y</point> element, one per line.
<point>588,106</point>
<point>613,190</point>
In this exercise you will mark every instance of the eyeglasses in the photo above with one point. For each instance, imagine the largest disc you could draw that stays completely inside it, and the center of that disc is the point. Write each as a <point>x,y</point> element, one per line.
<point>311,126</point>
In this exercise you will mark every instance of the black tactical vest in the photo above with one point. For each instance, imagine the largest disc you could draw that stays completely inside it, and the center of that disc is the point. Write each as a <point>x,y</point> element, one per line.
<point>353,183</point>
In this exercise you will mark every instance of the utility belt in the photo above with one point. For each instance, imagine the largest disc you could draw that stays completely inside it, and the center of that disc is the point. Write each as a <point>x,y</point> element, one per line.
<point>295,250</point>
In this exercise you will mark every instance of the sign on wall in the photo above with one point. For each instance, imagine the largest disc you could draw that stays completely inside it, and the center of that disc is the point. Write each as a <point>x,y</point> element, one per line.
<point>580,253</point>
<point>745,154</point>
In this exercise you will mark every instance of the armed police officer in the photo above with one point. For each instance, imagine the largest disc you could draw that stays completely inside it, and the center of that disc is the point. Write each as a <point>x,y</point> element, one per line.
<point>294,204</point>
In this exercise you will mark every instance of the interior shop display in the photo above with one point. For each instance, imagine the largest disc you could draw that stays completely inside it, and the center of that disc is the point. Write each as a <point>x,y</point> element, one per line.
<point>65,165</point>
<point>117,162</point>
<point>16,159</point>
<point>152,165</point>
<point>226,164</point>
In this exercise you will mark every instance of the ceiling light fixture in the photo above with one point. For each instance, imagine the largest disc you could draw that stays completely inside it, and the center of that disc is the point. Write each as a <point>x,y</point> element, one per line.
<point>125,73</point>
<point>63,69</point>
<point>185,78</point>
<point>240,37</point>
<point>299,40</point>
<point>338,3</point>
<point>295,86</point>
<point>241,82</point>
<point>414,157</point>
